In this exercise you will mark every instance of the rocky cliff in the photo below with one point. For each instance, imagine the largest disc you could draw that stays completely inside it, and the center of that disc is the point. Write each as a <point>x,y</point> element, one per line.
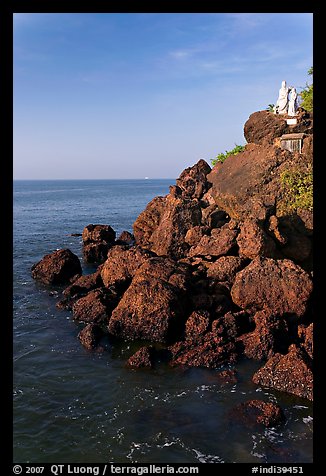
<point>216,271</point>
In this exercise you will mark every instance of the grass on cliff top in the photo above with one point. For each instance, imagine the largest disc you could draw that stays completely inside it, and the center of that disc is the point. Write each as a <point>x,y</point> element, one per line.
<point>297,190</point>
<point>222,156</point>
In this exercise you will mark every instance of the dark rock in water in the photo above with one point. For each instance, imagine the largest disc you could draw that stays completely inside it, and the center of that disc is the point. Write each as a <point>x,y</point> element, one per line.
<point>278,285</point>
<point>97,240</point>
<point>90,336</point>
<point>57,268</point>
<point>269,336</point>
<point>253,241</point>
<point>220,242</point>
<point>205,351</point>
<point>153,306</point>
<point>98,233</point>
<point>82,286</point>
<point>192,181</point>
<point>253,412</point>
<point>306,336</point>
<point>263,127</point>
<point>95,307</point>
<point>122,263</point>
<point>126,238</point>
<point>291,373</point>
<point>144,357</point>
<point>75,234</point>
<point>95,252</point>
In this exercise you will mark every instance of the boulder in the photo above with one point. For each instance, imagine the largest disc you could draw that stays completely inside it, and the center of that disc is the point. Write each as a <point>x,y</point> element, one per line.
<point>57,268</point>
<point>148,221</point>
<point>197,324</point>
<point>226,327</point>
<point>90,336</point>
<point>220,242</point>
<point>225,268</point>
<point>178,216</point>
<point>278,285</point>
<point>153,306</point>
<point>126,238</point>
<point>95,307</point>
<point>144,357</point>
<point>192,181</point>
<point>98,233</point>
<point>253,241</point>
<point>208,351</point>
<point>291,373</point>
<point>82,286</point>
<point>121,265</point>
<point>248,184</point>
<point>195,234</point>
<point>269,337</point>
<point>97,240</point>
<point>263,127</point>
<point>258,412</point>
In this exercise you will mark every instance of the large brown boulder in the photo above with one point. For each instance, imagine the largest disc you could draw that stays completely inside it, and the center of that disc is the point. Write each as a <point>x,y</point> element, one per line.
<point>219,243</point>
<point>278,285</point>
<point>121,265</point>
<point>163,225</point>
<point>264,126</point>
<point>289,373</point>
<point>208,350</point>
<point>253,241</point>
<point>57,268</point>
<point>153,306</point>
<point>247,184</point>
<point>148,221</point>
<point>179,215</point>
<point>192,181</point>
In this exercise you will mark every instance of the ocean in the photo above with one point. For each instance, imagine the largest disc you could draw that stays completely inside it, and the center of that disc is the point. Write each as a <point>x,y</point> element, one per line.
<point>76,406</point>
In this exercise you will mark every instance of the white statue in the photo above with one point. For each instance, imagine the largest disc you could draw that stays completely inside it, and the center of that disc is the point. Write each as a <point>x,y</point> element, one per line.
<point>282,101</point>
<point>293,102</point>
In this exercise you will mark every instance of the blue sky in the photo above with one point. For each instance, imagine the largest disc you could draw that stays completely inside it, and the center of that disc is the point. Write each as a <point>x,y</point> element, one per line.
<point>130,95</point>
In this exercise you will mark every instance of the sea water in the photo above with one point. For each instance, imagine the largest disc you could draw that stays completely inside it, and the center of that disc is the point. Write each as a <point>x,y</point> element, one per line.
<point>73,405</point>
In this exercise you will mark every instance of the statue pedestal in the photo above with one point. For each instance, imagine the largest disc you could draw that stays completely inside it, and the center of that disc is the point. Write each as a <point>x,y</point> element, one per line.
<point>292,122</point>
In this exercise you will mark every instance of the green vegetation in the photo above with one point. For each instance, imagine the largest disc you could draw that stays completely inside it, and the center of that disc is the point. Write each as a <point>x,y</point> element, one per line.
<point>307,94</point>
<point>221,157</point>
<point>270,107</point>
<point>297,187</point>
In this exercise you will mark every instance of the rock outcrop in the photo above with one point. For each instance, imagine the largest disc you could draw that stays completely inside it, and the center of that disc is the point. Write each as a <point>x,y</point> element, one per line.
<point>213,272</point>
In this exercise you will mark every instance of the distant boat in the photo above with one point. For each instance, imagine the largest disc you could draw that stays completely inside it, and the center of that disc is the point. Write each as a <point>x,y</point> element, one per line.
<point>146,178</point>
